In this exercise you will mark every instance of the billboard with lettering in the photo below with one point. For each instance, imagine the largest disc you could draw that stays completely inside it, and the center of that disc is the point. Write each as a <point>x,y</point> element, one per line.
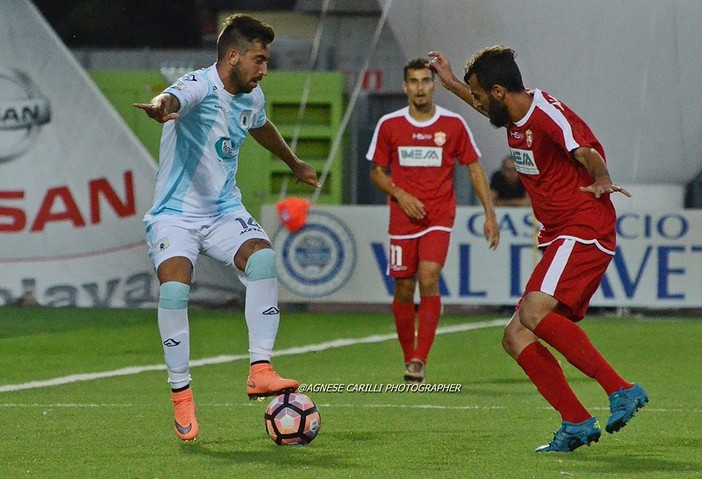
<point>341,256</point>
<point>74,181</point>
<point>74,184</point>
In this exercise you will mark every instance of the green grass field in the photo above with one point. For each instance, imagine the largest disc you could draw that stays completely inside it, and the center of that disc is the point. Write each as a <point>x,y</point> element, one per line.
<point>120,426</point>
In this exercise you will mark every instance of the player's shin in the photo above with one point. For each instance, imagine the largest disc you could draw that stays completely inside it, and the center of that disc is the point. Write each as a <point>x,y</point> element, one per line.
<point>572,342</point>
<point>404,317</point>
<point>262,317</point>
<point>429,315</point>
<point>174,329</point>
<point>261,310</point>
<point>546,374</point>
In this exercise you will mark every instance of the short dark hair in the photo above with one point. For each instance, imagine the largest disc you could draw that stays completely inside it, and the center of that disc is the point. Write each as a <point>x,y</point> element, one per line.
<point>495,66</point>
<point>417,64</point>
<point>239,31</point>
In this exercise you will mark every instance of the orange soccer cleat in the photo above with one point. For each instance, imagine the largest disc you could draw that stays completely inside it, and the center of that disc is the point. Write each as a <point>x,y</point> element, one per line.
<point>186,426</point>
<point>264,381</point>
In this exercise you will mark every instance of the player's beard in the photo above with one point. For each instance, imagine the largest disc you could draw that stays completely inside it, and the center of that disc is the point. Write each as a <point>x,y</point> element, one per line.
<point>423,104</point>
<point>498,114</point>
<point>241,84</point>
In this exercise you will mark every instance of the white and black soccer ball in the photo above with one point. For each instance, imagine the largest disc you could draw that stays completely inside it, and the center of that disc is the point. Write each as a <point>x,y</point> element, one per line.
<point>292,419</point>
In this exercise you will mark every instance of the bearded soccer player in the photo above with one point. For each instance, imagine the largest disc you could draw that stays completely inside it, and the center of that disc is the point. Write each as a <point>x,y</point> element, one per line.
<point>198,208</point>
<point>413,153</point>
<point>563,168</point>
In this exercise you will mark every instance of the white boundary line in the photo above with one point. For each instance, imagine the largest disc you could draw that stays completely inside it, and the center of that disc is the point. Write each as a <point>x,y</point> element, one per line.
<point>337,343</point>
<point>321,405</point>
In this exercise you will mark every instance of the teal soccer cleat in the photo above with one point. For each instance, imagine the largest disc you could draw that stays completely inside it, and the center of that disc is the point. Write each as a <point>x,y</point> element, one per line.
<point>623,405</point>
<point>573,435</point>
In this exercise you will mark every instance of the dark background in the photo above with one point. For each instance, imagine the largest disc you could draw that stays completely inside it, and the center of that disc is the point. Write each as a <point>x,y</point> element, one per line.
<point>143,23</point>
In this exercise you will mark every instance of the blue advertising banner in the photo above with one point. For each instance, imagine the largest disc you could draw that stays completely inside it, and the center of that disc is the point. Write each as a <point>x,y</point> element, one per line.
<point>341,255</point>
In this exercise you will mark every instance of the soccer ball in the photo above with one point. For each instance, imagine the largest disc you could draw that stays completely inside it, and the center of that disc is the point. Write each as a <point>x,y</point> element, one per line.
<point>292,418</point>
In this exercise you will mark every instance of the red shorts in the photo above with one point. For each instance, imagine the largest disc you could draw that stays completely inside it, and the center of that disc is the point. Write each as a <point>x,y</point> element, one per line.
<point>405,254</point>
<point>570,272</point>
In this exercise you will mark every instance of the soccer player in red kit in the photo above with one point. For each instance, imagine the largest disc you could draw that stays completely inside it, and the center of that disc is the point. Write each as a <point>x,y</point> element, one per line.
<point>563,168</point>
<point>413,153</point>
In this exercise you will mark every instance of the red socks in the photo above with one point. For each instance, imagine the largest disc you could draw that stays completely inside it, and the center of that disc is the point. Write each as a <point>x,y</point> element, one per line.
<point>544,371</point>
<point>429,314</point>
<point>572,342</point>
<point>428,319</point>
<point>404,324</point>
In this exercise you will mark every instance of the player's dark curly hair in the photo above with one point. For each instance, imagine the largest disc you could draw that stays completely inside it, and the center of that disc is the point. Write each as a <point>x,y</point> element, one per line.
<point>239,31</point>
<point>495,66</point>
<point>416,64</point>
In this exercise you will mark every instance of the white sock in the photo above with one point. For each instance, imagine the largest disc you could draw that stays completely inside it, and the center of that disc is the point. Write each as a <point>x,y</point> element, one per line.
<point>262,317</point>
<point>175,337</point>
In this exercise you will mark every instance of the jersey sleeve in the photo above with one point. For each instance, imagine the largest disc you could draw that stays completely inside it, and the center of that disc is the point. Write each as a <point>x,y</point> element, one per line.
<point>567,130</point>
<point>466,149</point>
<point>379,149</point>
<point>189,89</point>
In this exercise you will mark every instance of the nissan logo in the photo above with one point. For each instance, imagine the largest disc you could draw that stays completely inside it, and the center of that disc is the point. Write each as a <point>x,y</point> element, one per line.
<point>23,110</point>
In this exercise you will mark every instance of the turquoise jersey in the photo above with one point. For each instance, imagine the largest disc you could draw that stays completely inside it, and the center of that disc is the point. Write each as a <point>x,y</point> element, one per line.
<point>199,152</point>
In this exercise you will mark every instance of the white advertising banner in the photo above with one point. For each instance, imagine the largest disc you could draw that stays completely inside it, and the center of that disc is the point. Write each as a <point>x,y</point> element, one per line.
<point>340,256</point>
<point>74,184</point>
<point>74,181</point>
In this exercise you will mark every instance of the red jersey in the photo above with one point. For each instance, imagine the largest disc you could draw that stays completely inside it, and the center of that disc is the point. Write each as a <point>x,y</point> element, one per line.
<point>541,144</point>
<point>421,158</point>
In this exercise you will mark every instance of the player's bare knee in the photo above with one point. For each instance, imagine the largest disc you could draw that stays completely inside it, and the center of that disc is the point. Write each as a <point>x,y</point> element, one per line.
<point>531,312</point>
<point>248,249</point>
<point>256,244</point>
<point>178,269</point>
<point>530,317</point>
<point>404,289</point>
<point>428,280</point>
<point>509,342</point>
<point>429,287</point>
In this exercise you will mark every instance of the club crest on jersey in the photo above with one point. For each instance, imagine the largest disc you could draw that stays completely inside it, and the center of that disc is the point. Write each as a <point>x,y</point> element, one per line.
<point>162,245</point>
<point>245,119</point>
<point>439,138</point>
<point>529,138</point>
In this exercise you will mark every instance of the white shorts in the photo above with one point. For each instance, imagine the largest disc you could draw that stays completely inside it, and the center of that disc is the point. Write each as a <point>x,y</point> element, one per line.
<point>218,237</point>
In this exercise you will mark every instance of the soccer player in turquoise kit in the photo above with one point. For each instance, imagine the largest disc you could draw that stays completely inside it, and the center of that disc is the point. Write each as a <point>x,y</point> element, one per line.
<point>198,208</point>
<point>563,168</point>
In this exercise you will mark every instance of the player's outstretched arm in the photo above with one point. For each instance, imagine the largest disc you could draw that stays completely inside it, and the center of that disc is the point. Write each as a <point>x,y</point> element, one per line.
<point>270,138</point>
<point>161,108</point>
<point>596,166</point>
<point>482,190</point>
<point>441,65</point>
